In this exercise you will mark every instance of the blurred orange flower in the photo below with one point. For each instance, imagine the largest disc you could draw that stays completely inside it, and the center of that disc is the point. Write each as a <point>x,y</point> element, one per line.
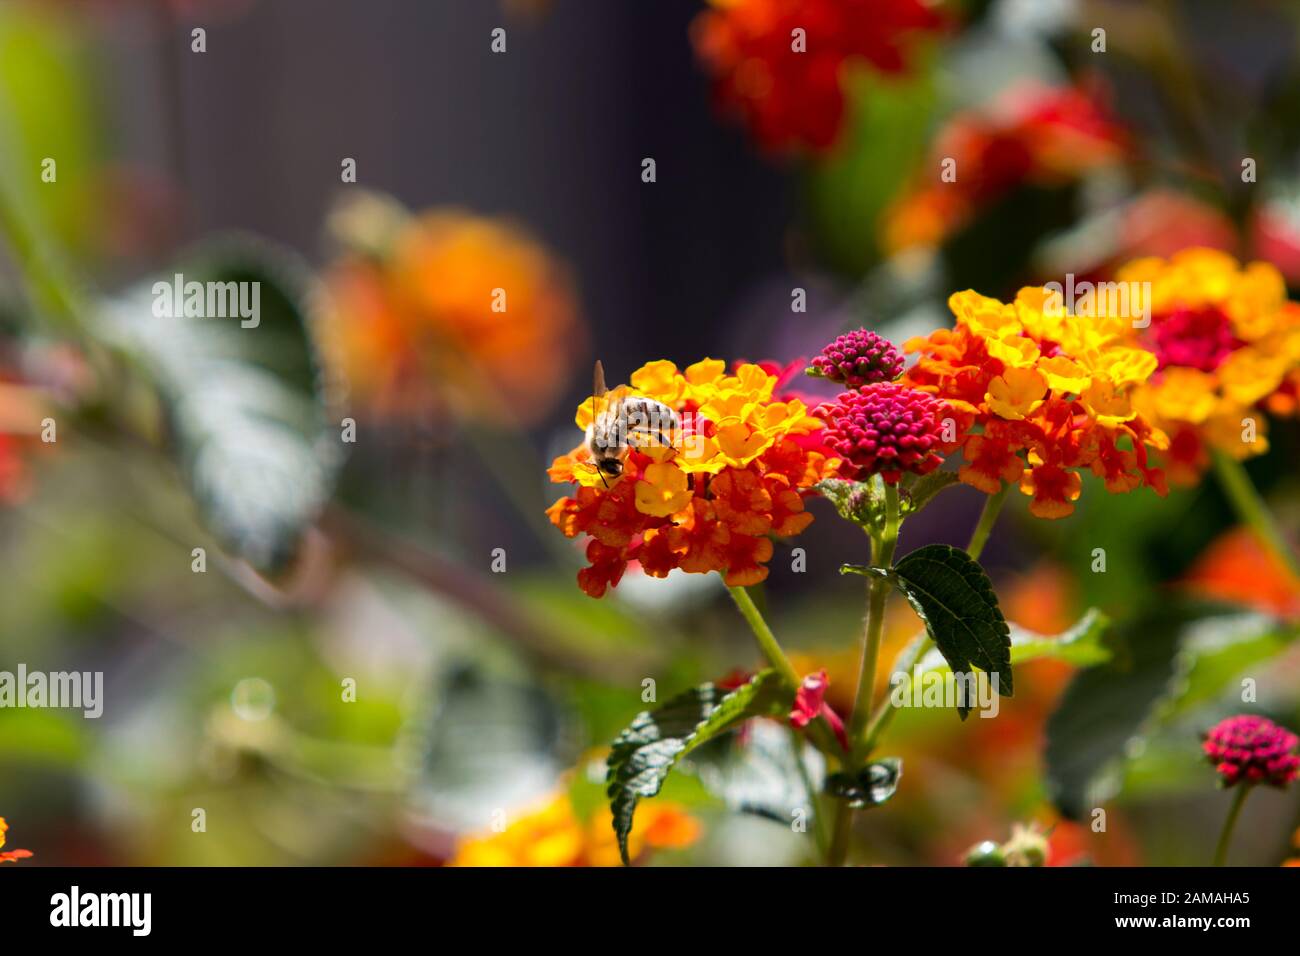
<point>22,409</point>
<point>1034,135</point>
<point>10,856</point>
<point>1236,567</point>
<point>449,312</point>
<point>552,835</point>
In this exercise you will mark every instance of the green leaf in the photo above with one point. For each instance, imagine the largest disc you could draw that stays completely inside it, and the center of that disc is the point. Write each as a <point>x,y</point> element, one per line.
<point>1080,645</point>
<point>870,787</point>
<point>917,494</point>
<point>760,774</point>
<point>488,741</point>
<point>643,755</point>
<point>954,598</point>
<point>244,403</point>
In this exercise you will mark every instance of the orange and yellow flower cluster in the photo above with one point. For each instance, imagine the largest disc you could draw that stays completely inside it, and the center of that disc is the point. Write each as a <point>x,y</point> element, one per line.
<point>10,856</point>
<point>736,472</point>
<point>448,312</point>
<point>1040,395</point>
<point>1227,347</point>
<point>552,835</point>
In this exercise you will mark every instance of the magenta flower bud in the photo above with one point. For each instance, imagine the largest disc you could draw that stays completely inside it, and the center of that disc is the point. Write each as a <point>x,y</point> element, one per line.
<point>859,358</point>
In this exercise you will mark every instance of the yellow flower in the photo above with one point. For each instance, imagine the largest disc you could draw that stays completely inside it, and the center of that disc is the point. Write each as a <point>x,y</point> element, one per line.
<point>552,835</point>
<point>1017,392</point>
<point>1106,403</point>
<point>662,490</point>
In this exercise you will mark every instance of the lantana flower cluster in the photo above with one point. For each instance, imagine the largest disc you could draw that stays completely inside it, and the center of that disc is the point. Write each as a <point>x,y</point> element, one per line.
<point>1039,396</point>
<point>737,472</point>
<point>1227,346</point>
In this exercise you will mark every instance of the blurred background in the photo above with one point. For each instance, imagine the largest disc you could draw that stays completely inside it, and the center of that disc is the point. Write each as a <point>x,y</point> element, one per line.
<point>380,652</point>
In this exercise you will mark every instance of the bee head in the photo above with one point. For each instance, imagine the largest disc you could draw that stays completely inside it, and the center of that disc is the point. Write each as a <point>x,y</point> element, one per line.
<point>612,467</point>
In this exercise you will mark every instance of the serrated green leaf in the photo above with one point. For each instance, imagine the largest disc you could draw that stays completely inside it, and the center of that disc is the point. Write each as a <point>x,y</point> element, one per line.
<point>1080,645</point>
<point>954,599</point>
<point>643,755</point>
<point>245,406</point>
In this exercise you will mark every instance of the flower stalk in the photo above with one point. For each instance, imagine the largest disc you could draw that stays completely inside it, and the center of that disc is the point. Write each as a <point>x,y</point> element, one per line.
<point>1251,509</point>
<point>882,556</point>
<point>1225,835</point>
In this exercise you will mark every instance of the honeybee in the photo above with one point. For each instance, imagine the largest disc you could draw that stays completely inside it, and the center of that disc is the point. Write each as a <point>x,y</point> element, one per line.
<point>625,421</point>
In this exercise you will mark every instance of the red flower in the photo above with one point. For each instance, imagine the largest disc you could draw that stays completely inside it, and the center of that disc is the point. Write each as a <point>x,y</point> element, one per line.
<point>780,64</point>
<point>810,703</point>
<point>1249,749</point>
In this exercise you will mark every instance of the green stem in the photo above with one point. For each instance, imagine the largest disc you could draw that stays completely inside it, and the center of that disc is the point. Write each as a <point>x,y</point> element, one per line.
<point>882,556</point>
<point>763,634</point>
<point>814,806</point>
<point>988,517</point>
<point>1225,837</point>
<point>839,851</point>
<point>49,287</point>
<point>884,713</point>
<point>1251,509</point>
<point>819,731</point>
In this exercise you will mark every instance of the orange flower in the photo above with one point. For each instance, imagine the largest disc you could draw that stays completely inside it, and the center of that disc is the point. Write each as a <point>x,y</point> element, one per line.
<point>22,409</point>
<point>738,471</point>
<point>552,835</point>
<point>449,311</point>
<point>1236,567</point>
<point>1038,396</point>
<point>10,856</point>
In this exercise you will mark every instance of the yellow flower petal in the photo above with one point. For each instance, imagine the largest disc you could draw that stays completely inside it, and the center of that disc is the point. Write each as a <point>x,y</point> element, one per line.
<point>662,490</point>
<point>1017,392</point>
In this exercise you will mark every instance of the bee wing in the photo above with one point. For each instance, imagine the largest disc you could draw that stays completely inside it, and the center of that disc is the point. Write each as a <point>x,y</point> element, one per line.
<point>598,380</point>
